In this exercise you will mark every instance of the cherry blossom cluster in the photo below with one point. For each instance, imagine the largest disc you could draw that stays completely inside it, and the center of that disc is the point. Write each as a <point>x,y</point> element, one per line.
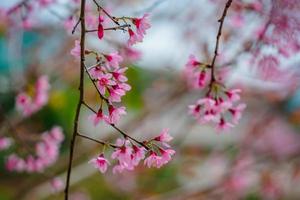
<point>27,104</point>
<point>46,153</point>
<point>155,153</point>
<point>220,106</point>
<point>110,81</point>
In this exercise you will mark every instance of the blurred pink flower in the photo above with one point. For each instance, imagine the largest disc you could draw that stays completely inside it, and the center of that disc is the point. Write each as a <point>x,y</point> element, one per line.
<point>57,184</point>
<point>133,37</point>
<point>76,50</point>
<point>5,143</point>
<point>142,24</point>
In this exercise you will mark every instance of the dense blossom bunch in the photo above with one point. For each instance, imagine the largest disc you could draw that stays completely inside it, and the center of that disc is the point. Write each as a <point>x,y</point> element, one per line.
<point>46,153</point>
<point>141,25</point>
<point>220,106</point>
<point>128,155</point>
<point>30,104</point>
<point>111,83</point>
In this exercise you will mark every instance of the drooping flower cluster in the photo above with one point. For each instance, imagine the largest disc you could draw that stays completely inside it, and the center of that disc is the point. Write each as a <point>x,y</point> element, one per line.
<point>46,153</point>
<point>30,104</point>
<point>129,155</point>
<point>220,106</point>
<point>141,25</point>
<point>112,84</point>
<point>197,73</point>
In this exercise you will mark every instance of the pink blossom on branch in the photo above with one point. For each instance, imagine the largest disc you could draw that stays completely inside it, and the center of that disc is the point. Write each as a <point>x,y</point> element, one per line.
<point>114,59</point>
<point>100,163</point>
<point>142,24</point>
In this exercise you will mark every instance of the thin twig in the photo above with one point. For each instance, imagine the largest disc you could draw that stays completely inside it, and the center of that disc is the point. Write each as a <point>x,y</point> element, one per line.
<point>97,141</point>
<point>121,27</point>
<point>221,21</point>
<point>74,28</point>
<point>117,129</point>
<point>90,77</point>
<point>106,13</point>
<point>81,96</point>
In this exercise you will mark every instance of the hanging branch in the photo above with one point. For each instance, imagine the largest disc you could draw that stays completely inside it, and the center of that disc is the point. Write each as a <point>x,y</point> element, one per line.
<point>221,21</point>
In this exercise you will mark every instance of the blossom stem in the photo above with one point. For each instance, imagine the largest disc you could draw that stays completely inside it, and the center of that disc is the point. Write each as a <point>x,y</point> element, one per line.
<point>106,13</point>
<point>121,27</point>
<point>81,95</point>
<point>74,28</point>
<point>97,141</point>
<point>90,77</point>
<point>117,129</point>
<point>221,21</point>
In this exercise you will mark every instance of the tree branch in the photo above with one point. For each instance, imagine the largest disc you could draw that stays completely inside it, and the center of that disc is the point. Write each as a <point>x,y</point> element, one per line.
<point>81,95</point>
<point>97,141</point>
<point>121,27</point>
<point>106,13</point>
<point>117,129</point>
<point>221,21</point>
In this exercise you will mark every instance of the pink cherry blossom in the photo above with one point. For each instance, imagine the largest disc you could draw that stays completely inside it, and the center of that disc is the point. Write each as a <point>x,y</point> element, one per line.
<point>202,78</point>
<point>119,75</point>
<point>114,59</point>
<point>15,163</point>
<point>100,163</point>
<point>115,114</point>
<point>97,117</point>
<point>223,125</point>
<point>133,37</point>
<point>118,169</point>
<point>115,94</point>
<point>23,103</point>
<point>142,24</point>
<point>164,137</point>
<point>192,62</point>
<point>237,112</point>
<point>57,185</point>
<point>154,160</point>
<point>194,110</point>
<point>138,154</point>
<point>166,155</point>
<point>76,50</point>
<point>233,95</point>
<point>124,153</point>
<point>104,81</point>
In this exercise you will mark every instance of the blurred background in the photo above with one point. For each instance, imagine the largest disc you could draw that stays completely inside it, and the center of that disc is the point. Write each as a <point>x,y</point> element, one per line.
<point>258,159</point>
